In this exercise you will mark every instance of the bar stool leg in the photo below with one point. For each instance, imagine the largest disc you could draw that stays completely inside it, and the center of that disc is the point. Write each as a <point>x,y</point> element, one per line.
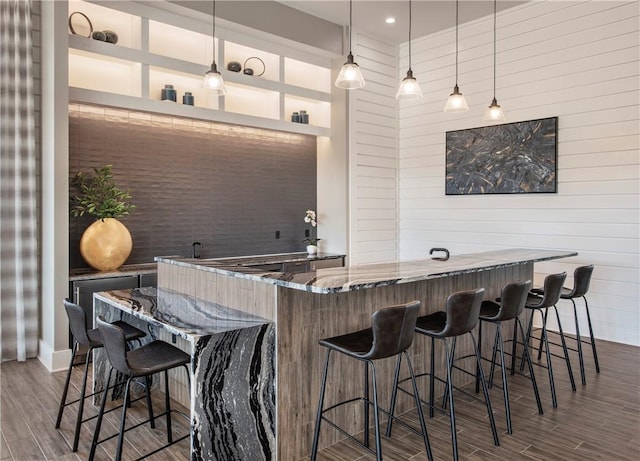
<point>480,348</point>
<point>366,404</point>
<point>593,340</point>
<point>451,356</point>
<point>423,426</point>
<point>376,416</point>
<point>316,432</point>
<point>527,357</point>
<point>514,345</point>
<point>123,420</point>
<point>579,343</point>
<point>566,351</point>
<point>167,403</point>
<point>63,399</point>
<point>503,372</point>
<point>486,392</point>
<point>554,399</point>
<point>394,395</point>
<point>431,377</point>
<point>152,421</point>
<point>76,435</point>
<point>452,416</point>
<point>497,342</point>
<point>96,432</point>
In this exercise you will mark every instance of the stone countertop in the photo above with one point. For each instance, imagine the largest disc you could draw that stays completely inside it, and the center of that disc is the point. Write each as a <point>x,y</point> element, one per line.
<point>180,314</point>
<point>343,279</point>
<point>149,268</point>
<point>254,260</point>
<point>122,271</point>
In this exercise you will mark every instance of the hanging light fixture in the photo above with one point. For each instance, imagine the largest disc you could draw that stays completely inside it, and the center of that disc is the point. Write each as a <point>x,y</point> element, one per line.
<point>456,102</point>
<point>350,76</point>
<point>494,111</point>
<point>409,88</point>
<point>212,78</point>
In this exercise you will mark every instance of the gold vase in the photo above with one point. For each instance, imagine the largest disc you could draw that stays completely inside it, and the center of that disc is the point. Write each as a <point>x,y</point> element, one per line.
<point>106,244</point>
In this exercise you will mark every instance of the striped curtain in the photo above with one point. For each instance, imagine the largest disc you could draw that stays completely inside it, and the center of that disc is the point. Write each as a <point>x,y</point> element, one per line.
<point>18,176</point>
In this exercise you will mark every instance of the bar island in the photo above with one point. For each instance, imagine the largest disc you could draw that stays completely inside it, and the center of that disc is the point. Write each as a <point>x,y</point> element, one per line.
<point>253,336</point>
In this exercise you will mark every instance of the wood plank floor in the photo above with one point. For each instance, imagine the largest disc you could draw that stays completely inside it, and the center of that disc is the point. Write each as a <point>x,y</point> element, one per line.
<point>600,421</point>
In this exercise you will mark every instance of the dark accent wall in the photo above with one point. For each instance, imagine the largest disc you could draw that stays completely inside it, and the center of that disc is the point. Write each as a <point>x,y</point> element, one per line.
<point>229,187</point>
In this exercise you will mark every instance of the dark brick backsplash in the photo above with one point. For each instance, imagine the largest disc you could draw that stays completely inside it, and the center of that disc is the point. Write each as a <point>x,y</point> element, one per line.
<point>228,187</point>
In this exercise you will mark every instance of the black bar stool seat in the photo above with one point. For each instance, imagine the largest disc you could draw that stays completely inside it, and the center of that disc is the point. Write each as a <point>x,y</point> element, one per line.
<point>507,308</point>
<point>157,356</point>
<point>391,334</point>
<point>90,339</point>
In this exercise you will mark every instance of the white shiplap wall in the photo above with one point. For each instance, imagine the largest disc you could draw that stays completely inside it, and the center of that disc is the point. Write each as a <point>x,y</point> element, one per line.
<point>575,60</point>
<point>373,147</point>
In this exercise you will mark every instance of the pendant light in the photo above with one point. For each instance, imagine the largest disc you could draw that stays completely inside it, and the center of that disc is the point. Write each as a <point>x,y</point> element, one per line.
<point>494,111</point>
<point>456,102</point>
<point>350,76</point>
<point>409,88</point>
<point>212,78</point>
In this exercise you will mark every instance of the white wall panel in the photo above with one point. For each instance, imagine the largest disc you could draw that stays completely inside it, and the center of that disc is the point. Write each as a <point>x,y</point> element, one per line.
<point>373,147</point>
<point>575,60</point>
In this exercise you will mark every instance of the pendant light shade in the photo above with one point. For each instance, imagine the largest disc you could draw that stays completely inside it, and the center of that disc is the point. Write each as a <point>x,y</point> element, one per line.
<point>456,102</point>
<point>409,88</point>
<point>213,78</point>
<point>350,76</point>
<point>494,112</point>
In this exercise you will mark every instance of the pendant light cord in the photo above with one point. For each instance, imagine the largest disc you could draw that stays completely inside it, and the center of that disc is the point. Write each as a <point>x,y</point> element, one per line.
<point>494,48</point>
<point>409,34</point>
<point>213,33</point>
<point>457,43</point>
<point>350,16</point>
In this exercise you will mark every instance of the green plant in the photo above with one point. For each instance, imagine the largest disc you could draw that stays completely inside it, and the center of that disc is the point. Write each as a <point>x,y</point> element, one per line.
<point>98,196</point>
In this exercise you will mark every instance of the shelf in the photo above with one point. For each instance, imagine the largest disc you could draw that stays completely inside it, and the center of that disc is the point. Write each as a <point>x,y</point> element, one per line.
<point>155,51</point>
<point>81,95</point>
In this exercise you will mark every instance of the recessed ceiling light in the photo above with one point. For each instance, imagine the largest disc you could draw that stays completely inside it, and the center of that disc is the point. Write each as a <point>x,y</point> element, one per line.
<point>390,20</point>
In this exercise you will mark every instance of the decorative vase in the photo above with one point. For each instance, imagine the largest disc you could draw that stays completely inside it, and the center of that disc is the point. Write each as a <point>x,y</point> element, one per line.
<point>106,244</point>
<point>312,249</point>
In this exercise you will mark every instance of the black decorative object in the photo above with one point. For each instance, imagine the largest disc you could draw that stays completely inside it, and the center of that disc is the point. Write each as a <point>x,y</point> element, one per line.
<point>86,18</point>
<point>168,93</point>
<point>99,35</point>
<point>511,158</point>
<point>111,36</point>
<point>249,71</point>
<point>234,66</point>
<point>187,98</point>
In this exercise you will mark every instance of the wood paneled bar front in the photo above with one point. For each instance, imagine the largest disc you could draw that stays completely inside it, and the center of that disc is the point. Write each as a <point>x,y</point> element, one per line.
<point>305,307</point>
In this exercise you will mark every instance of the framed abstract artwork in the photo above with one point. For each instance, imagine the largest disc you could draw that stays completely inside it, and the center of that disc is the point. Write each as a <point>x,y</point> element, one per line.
<point>512,158</point>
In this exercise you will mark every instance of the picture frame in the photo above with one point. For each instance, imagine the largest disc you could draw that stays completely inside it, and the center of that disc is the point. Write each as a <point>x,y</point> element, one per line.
<point>510,158</point>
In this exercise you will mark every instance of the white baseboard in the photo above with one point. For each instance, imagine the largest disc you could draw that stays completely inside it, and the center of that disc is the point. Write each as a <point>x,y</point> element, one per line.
<point>53,360</point>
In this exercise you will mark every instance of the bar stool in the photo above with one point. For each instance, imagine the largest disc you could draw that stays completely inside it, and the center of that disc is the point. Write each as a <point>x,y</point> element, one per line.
<point>552,288</point>
<point>391,334</point>
<point>459,318</point>
<point>92,340</point>
<point>157,356</point>
<point>508,308</point>
<point>581,281</point>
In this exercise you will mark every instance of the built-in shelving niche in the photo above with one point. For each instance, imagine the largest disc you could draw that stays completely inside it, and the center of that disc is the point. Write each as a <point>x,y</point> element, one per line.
<point>153,51</point>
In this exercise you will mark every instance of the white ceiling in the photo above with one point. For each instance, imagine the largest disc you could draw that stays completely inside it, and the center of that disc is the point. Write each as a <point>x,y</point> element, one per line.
<point>428,16</point>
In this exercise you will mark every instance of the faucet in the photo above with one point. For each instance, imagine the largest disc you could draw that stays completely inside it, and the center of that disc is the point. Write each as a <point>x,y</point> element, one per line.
<point>440,258</point>
<point>196,252</point>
